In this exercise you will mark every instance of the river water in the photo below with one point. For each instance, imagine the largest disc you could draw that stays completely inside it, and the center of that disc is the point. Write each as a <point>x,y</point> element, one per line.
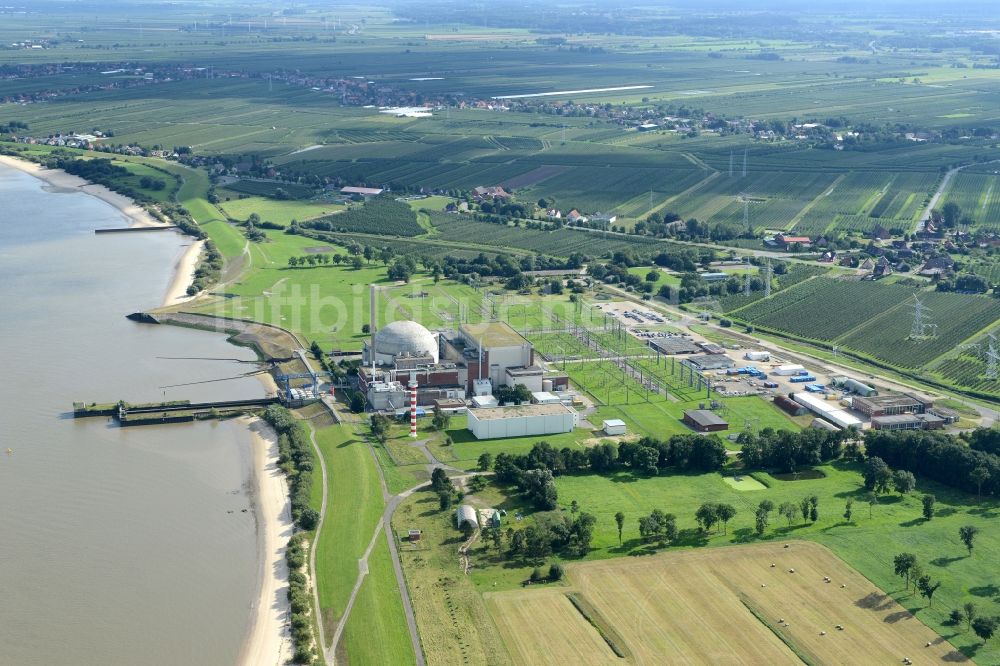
<point>117,546</point>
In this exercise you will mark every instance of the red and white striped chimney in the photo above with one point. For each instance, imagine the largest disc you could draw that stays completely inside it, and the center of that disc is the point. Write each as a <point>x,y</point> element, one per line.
<point>413,408</point>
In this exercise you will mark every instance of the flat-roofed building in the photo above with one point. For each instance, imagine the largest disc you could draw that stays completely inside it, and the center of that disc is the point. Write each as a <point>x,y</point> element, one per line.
<point>711,362</point>
<point>889,405</point>
<point>521,421</point>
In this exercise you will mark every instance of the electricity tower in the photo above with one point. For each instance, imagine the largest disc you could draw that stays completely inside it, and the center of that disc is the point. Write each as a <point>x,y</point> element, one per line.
<point>922,328</point>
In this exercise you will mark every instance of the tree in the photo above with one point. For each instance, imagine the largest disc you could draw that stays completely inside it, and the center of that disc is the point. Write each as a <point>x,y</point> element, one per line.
<point>293,262</point>
<point>707,516</point>
<point>762,516</point>
<point>916,572</point>
<point>970,612</point>
<point>903,564</point>
<point>979,476</point>
<point>574,506</point>
<point>658,526</point>
<point>536,575</point>
<point>357,263</point>
<point>440,481</point>
<point>804,505</point>
<point>441,419</point>
<point>620,521</point>
<point>877,474</point>
<point>956,616</point>
<point>366,329</point>
<point>444,499</point>
<point>872,500</point>
<point>379,424</point>
<point>927,588</point>
<point>848,509</point>
<point>485,462</point>
<point>726,513</point>
<point>967,533</point>
<point>813,509</point>
<point>903,481</point>
<point>951,213</point>
<point>477,483</point>
<point>555,571</point>
<point>985,627</point>
<point>928,502</point>
<point>789,510</point>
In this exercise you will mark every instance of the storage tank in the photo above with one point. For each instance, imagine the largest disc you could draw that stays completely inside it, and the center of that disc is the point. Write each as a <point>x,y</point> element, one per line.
<point>546,384</point>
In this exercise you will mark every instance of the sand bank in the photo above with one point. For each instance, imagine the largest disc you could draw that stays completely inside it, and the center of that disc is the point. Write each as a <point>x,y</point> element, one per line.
<point>60,181</point>
<point>268,639</point>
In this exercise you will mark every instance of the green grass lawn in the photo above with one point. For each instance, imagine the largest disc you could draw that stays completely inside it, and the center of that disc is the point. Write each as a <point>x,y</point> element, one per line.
<point>354,507</point>
<point>273,210</point>
<point>378,612</point>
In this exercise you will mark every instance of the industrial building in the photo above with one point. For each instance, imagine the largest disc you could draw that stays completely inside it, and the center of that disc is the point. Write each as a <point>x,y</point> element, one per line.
<point>888,405</point>
<point>788,370</point>
<point>613,427</point>
<point>711,362</point>
<point>674,345</point>
<point>908,422</point>
<point>790,406</point>
<point>447,365</point>
<point>521,421</point>
<point>704,420</point>
<point>827,410</point>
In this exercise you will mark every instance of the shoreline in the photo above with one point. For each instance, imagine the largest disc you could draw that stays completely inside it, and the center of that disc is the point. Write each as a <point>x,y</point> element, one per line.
<point>58,180</point>
<point>268,636</point>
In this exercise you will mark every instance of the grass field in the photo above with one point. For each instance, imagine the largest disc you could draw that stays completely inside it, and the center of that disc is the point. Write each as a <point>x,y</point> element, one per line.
<point>273,210</point>
<point>720,606</point>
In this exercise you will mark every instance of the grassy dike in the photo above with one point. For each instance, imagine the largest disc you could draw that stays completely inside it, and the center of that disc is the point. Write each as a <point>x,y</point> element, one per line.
<point>376,629</point>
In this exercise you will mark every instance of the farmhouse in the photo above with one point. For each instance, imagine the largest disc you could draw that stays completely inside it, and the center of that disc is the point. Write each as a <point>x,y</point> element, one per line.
<point>521,421</point>
<point>490,193</point>
<point>704,420</point>
<point>575,216</point>
<point>782,239</point>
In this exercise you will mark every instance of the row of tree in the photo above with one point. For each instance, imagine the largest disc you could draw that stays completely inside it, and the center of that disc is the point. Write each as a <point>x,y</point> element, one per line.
<point>787,450</point>
<point>940,457</point>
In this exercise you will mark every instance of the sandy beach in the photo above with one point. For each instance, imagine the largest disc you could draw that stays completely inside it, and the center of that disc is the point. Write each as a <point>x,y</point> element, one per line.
<point>60,181</point>
<point>268,639</point>
<point>183,274</point>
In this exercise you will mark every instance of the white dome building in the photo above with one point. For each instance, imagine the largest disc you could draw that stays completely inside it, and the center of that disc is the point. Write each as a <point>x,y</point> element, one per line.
<point>402,339</point>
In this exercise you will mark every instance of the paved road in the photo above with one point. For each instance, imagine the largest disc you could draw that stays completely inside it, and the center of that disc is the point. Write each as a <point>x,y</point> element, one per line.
<point>932,204</point>
<point>319,529</point>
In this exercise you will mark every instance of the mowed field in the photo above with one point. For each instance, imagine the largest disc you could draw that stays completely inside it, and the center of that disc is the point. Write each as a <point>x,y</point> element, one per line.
<point>711,606</point>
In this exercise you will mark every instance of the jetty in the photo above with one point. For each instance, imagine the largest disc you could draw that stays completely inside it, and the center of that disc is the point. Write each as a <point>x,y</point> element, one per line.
<point>124,230</point>
<point>176,411</point>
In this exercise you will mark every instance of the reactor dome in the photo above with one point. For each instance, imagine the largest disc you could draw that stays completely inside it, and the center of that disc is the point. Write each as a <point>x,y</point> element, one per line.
<point>404,338</point>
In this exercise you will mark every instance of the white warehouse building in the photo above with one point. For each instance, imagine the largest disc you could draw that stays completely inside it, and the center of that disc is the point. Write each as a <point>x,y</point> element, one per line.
<point>521,421</point>
<point>828,411</point>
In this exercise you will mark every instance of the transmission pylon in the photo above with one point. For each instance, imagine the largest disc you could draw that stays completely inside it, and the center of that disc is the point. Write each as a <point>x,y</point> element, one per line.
<point>746,279</point>
<point>767,277</point>
<point>992,358</point>
<point>730,164</point>
<point>922,327</point>
<point>746,151</point>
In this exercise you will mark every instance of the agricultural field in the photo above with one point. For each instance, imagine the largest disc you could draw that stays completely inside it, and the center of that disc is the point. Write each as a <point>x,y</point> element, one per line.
<point>718,606</point>
<point>875,320</point>
<point>977,191</point>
